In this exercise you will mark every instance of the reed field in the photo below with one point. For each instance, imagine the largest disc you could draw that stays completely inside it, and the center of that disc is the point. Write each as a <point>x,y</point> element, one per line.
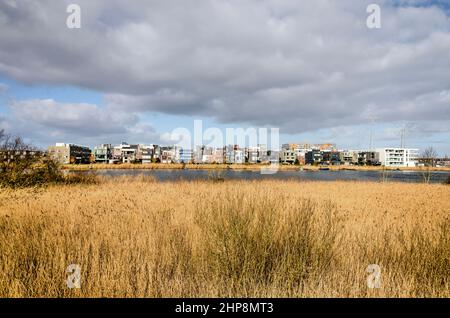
<point>136,237</point>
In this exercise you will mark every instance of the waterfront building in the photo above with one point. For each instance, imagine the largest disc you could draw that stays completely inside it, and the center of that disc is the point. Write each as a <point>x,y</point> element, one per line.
<point>239,157</point>
<point>288,156</point>
<point>126,153</point>
<point>70,153</point>
<point>349,157</point>
<point>315,156</point>
<point>398,157</point>
<point>146,153</point>
<point>186,155</point>
<point>219,155</point>
<point>168,154</point>
<point>331,157</point>
<point>252,154</point>
<point>102,153</point>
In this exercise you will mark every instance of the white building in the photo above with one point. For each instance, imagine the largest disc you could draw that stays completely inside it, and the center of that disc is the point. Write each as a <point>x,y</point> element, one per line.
<point>146,152</point>
<point>218,156</point>
<point>168,154</point>
<point>185,155</point>
<point>349,157</point>
<point>125,152</point>
<point>252,154</point>
<point>239,157</point>
<point>398,157</point>
<point>288,156</point>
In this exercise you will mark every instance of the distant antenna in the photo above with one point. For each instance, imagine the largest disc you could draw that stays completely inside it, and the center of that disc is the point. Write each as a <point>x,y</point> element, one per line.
<point>371,117</point>
<point>402,137</point>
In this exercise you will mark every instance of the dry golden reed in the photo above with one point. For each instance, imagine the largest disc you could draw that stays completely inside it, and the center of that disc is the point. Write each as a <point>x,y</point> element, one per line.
<point>135,237</point>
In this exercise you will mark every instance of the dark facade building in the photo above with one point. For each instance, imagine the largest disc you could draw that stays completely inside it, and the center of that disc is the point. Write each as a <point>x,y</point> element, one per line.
<point>331,157</point>
<point>314,156</point>
<point>70,153</point>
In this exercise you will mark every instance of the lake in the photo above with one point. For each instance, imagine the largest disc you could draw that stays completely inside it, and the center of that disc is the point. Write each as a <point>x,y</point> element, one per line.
<point>324,175</point>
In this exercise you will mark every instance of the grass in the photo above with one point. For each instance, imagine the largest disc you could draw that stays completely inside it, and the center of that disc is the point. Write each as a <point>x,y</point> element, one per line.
<point>135,237</point>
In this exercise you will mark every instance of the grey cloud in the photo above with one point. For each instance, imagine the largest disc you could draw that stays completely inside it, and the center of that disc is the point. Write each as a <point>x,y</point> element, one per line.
<point>297,65</point>
<point>85,119</point>
<point>48,121</point>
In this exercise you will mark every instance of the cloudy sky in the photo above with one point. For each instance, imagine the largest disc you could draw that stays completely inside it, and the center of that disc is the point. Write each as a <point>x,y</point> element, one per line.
<point>136,70</point>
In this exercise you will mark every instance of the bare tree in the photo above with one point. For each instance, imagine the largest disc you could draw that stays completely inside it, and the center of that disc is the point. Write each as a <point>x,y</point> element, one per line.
<point>429,156</point>
<point>14,152</point>
<point>22,164</point>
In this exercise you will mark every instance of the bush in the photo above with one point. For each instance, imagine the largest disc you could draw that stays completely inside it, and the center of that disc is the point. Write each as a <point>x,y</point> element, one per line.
<point>264,243</point>
<point>30,174</point>
<point>23,165</point>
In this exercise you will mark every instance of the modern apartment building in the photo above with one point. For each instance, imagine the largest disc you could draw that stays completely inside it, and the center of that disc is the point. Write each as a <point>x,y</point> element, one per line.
<point>234,154</point>
<point>146,153</point>
<point>203,154</point>
<point>331,157</point>
<point>168,154</point>
<point>288,156</point>
<point>349,157</point>
<point>263,154</point>
<point>102,153</point>
<point>252,154</point>
<point>239,156</point>
<point>219,155</point>
<point>314,156</point>
<point>69,153</point>
<point>398,157</point>
<point>186,155</point>
<point>369,157</point>
<point>125,153</point>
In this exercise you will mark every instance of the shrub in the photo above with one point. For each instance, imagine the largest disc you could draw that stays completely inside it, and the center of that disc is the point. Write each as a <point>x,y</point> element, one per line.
<point>261,243</point>
<point>23,165</point>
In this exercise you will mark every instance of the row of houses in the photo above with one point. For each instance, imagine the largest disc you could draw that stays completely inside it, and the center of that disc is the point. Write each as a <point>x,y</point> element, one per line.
<point>9,156</point>
<point>138,153</point>
<point>328,154</point>
<point>309,154</point>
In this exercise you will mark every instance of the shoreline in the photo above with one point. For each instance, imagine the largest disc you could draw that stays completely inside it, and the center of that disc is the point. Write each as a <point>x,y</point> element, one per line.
<point>249,167</point>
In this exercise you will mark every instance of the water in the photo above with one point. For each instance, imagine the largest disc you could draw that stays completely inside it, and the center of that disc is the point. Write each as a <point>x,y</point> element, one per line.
<point>170,175</point>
